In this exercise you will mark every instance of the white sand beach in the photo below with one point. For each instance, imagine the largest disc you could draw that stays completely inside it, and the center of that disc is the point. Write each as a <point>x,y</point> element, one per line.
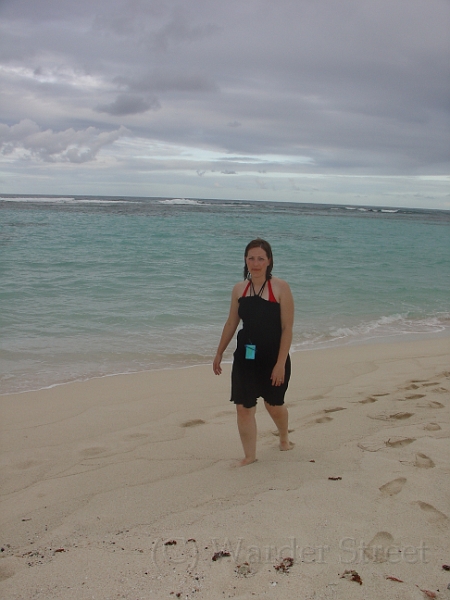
<point>123,487</point>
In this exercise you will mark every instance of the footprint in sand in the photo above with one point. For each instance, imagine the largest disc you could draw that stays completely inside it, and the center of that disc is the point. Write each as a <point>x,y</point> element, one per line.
<point>329,410</point>
<point>396,416</point>
<point>414,396</point>
<point>399,442</point>
<point>7,569</point>
<point>135,436</point>
<point>432,427</point>
<point>434,513</point>
<point>323,420</point>
<point>431,404</point>
<point>368,400</point>
<point>435,404</point>
<point>378,548</point>
<point>371,446</point>
<point>423,461</point>
<point>93,451</point>
<point>193,423</point>
<point>401,415</point>
<point>430,383</point>
<point>393,487</point>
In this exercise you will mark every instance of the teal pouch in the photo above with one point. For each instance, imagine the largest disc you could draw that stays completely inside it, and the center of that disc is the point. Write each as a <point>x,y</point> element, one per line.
<point>250,351</point>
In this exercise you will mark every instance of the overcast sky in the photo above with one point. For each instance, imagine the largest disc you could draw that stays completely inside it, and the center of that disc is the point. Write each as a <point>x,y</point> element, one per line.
<point>340,101</point>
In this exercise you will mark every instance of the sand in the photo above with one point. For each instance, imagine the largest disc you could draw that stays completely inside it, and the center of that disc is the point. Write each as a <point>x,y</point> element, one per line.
<point>123,487</point>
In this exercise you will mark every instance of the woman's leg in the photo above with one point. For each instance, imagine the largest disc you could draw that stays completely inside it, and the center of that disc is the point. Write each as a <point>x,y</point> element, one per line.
<point>246,422</point>
<point>280,417</point>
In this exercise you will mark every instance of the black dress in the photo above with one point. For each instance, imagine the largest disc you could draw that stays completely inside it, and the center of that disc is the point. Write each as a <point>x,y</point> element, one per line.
<point>261,326</point>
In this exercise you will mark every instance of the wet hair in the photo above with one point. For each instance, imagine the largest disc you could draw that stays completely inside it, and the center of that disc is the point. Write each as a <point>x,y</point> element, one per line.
<point>259,243</point>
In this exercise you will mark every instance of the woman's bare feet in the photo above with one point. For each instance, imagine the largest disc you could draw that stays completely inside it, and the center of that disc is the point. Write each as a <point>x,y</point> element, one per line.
<point>245,461</point>
<point>287,445</point>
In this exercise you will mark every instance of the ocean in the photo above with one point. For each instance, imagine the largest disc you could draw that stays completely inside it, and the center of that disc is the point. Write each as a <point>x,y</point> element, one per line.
<point>94,286</point>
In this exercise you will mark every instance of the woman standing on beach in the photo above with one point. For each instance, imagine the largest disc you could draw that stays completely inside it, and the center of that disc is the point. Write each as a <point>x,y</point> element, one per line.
<point>261,365</point>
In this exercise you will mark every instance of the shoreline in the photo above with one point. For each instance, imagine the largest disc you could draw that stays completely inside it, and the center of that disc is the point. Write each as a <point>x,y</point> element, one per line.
<point>404,337</point>
<point>122,486</point>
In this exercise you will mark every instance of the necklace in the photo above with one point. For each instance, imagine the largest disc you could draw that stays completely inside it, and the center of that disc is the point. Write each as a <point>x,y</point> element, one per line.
<point>261,289</point>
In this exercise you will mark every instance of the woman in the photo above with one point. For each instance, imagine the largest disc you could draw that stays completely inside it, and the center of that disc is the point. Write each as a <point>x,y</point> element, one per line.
<point>261,365</point>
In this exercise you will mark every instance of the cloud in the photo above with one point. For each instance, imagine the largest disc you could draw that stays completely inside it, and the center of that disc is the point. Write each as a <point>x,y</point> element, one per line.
<point>346,89</point>
<point>167,82</point>
<point>28,141</point>
<point>179,28</point>
<point>128,104</point>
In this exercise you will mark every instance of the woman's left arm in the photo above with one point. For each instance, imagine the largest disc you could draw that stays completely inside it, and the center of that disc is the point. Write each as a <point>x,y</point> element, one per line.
<point>287,322</point>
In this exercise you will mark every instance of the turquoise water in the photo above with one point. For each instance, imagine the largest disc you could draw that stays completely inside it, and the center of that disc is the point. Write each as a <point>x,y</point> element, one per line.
<point>96,286</point>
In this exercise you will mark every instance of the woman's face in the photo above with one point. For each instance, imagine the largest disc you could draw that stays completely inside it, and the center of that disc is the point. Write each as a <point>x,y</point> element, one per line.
<point>257,262</point>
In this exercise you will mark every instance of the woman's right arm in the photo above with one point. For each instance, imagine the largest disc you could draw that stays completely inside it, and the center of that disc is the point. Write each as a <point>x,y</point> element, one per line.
<point>229,329</point>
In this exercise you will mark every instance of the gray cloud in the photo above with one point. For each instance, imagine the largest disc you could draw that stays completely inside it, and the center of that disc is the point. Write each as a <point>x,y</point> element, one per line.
<point>167,82</point>
<point>129,104</point>
<point>296,87</point>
